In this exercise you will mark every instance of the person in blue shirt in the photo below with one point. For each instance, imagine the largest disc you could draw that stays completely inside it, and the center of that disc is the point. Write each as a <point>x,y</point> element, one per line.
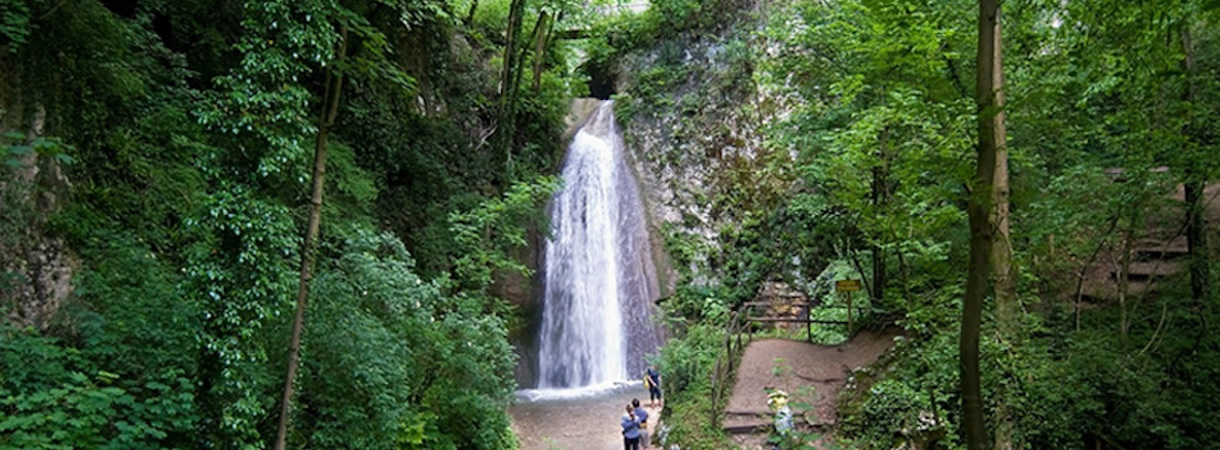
<point>641,414</point>
<point>652,379</point>
<point>631,430</point>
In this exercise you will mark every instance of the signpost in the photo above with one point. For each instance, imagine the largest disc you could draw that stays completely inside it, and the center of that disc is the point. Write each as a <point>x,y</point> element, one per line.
<point>848,286</point>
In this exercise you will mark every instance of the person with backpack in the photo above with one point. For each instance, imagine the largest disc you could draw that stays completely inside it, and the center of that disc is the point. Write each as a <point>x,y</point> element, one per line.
<point>652,379</point>
<point>642,415</point>
<point>631,430</point>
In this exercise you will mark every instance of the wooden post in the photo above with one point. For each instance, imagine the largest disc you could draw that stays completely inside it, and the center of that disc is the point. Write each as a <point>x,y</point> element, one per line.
<point>809,322</point>
<point>849,315</point>
<point>848,286</point>
<point>728,343</point>
<point>751,335</point>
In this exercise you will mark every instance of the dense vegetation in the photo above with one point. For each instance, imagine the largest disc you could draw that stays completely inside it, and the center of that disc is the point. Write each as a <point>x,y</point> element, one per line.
<point>1111,109</point>
<point>168,145</point>
<point>158,152</point>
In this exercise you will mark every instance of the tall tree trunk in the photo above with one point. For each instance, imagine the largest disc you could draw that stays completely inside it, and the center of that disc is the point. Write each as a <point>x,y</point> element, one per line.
<point>1124,280</point>
<point>326,119</point>
<point>880,201</point>
<point>520,69</point>
<point>1001,248</point>
<point>515,11</point>
<point>505,116</point>
<point>1196,223</point>
<point>540,47</point>
<point>982,230</point>
<point>905,271</point>
<point>1003,269</point>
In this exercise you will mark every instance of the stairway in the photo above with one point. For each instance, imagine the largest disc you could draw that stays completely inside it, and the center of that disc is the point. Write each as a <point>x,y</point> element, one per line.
<point>1161,253</point>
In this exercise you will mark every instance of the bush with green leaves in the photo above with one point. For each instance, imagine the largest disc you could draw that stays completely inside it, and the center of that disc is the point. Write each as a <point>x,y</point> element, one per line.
<point>686,364</point>
<point>390,360</point>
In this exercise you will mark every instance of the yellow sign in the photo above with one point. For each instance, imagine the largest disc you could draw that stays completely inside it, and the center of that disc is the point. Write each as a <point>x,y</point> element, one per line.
<point>847,285</point>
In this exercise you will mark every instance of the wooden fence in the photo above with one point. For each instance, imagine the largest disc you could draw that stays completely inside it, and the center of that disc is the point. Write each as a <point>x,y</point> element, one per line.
<point>741,320</point>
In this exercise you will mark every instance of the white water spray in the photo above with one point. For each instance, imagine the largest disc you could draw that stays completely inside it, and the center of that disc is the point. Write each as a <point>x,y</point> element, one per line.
<point>599,276</point>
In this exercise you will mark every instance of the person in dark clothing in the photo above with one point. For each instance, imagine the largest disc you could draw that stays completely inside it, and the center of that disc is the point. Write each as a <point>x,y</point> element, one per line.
<point>652,378</point>
<point>642,415</point>
<point>631,430</point>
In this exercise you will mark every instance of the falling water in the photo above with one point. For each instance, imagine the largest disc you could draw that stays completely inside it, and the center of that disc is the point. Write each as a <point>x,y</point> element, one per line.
<point>599,275</point>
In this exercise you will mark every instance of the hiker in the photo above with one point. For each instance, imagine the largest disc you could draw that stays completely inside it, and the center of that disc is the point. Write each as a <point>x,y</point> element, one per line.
<point>643,416</point>
<point>778,401</point>
<point>631,430</point>
<point>652,379</point>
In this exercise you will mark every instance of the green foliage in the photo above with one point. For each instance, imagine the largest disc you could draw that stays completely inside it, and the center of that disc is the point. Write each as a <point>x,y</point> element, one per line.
<point>397,363</point>
<point>48,402</point>
<point>184,130</point>
<point>240,274</point>
<point>14,24</point>
<point>686,364</point>
<point>130,322</point>
<point>55,398</point>
<point>16,150</point>
<point>484,236</point>
<point>917,396</point>
<point>675,16</point>
<point>263,103</point>
<point>878,112</point>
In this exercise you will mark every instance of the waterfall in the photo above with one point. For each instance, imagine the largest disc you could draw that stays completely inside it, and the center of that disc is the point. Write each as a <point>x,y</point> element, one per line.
<point>599,276</point>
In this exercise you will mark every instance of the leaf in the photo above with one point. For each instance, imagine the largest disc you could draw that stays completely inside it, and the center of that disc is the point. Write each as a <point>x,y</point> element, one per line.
<point>21,150</point>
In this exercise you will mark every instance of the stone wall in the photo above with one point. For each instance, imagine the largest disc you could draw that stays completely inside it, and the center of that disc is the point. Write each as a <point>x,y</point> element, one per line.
<point>35,267</point>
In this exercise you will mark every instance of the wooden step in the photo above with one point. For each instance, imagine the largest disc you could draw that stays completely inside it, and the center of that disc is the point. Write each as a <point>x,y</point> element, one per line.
<point>766,424</point>
<point>1148,270</point>
<point>1159,253</point>
<point>748,429</point>
<point>1152,249</point>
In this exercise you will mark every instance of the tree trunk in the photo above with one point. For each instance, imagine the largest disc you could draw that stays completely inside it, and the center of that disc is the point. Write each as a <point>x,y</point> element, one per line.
<point>1196,241</point>
<point>515,11</point>
<point>505,115</point>
<point>855,262</point>
<point>474,6</point>
<point>326,119</point>
<point>904,270</point>
<point>1194,184</point>
<point>880,201</point>
<point>1001,248</point>
<point>540,47</point>
<point>520,69</point>
<point>1124,282</point>
<point>982,230</point>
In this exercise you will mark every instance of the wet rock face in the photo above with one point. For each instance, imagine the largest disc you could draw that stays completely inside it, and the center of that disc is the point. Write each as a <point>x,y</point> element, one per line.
<point>35,268</point>
<point>38,280</point>
<point>696,130</point>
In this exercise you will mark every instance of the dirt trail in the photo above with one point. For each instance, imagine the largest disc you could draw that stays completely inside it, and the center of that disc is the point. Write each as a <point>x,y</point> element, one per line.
<point>803,366</point>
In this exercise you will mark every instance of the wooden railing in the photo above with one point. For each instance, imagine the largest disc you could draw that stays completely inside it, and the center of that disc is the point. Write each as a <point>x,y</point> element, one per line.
<point>742,320</point>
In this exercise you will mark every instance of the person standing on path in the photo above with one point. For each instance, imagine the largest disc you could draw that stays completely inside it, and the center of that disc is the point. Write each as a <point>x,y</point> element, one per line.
<point>643,416</point>
<point>631,430</point>
<point>652,379</point>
